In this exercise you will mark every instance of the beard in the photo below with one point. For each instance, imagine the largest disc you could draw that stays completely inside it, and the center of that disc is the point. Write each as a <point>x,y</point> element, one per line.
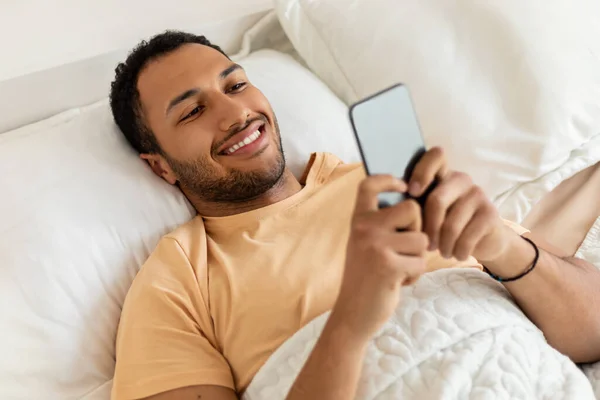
<point>206,182</point>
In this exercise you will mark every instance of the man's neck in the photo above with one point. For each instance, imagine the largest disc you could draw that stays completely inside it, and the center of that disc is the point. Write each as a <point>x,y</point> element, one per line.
<point>287,186</point>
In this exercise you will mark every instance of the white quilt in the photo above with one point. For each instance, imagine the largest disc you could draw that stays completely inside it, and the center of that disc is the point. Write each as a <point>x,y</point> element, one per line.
<point>456,335</point>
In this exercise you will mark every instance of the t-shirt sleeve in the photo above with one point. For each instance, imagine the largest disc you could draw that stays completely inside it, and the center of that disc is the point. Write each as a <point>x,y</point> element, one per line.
<point>165,338</point>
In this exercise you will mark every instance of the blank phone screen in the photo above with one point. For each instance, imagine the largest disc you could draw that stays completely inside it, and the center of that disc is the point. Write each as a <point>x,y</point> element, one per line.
<point>388,134</point>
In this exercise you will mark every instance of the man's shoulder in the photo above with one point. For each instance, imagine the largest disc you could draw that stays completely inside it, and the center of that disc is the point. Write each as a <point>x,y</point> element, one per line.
<point>178,257</point>
<point>188,235</point>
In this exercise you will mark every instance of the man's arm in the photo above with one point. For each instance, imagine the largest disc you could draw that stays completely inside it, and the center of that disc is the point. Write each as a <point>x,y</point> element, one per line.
<point>385,251</point>
<point>561,295</point>
<point>333,368</point>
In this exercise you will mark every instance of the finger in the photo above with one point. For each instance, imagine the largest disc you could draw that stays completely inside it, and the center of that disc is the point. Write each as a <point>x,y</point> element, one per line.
<point>405,215</point>
<point>407,268</point>
<point>457,219</point>
<point>372,186</point>
<point>431,165</point>
<point>440,200</point>
<point>407,243</point>
<point>412,268</point>
<point>476,230</point>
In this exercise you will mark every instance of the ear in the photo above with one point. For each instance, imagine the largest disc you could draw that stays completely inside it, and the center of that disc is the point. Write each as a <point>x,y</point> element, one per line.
<point>160,167</point>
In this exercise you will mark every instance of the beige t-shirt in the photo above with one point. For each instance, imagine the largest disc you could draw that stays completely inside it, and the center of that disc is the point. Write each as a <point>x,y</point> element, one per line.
<point>219,295</point>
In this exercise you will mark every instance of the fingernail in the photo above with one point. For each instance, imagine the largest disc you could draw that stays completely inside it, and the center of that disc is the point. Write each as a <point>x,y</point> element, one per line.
<point>403,185</point>
<point>414,189</point>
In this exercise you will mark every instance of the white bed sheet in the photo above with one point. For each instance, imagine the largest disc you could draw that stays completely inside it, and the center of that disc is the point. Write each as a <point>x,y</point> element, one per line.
<point>456,335</point>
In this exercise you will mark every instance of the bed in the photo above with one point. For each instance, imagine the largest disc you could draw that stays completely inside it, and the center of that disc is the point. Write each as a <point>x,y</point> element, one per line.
<point>81,213</point>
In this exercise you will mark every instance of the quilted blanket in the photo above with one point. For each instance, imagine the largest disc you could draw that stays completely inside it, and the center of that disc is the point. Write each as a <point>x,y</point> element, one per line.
<point>456,335</point>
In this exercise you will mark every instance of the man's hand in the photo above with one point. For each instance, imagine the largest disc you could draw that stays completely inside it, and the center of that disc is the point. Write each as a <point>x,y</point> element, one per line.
<point>385,251</point>
<point>459,219</point>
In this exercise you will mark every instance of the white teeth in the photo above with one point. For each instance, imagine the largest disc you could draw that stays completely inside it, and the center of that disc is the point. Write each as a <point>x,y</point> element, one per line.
<point>251,138</point>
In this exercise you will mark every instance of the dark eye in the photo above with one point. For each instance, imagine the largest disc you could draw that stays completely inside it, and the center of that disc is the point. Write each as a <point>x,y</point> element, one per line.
<point>195,111</point>
<point>237,87</point>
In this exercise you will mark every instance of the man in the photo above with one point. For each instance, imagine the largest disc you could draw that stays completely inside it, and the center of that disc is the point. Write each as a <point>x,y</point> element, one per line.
<point>268,253</point>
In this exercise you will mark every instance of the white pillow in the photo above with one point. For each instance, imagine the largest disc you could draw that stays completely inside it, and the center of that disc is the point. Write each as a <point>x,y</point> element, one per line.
<point>80,213</point>
<point>509,88</point>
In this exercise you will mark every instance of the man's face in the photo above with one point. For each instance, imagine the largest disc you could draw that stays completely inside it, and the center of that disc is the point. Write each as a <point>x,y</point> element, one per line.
<point>218,133</point>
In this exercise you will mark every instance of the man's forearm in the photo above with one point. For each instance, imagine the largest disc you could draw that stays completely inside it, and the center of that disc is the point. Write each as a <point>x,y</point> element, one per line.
<point>333,369</point>
<point>561,296</point>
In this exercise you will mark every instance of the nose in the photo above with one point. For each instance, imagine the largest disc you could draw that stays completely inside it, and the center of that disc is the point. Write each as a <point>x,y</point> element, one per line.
<point>231,113</point>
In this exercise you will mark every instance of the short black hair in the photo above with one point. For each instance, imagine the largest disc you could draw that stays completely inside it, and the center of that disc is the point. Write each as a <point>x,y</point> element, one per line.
<point>124,96</point>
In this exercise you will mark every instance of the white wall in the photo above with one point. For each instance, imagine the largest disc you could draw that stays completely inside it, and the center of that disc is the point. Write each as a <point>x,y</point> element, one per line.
<point>39,34</point>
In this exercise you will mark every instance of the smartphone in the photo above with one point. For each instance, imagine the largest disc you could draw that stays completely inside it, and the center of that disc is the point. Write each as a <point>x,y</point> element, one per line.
<point>388,136</point>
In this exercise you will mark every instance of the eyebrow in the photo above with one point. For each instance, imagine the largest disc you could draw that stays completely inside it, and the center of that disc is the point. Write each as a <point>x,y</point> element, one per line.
<point>229,70</point>
<point>183,96</point>
<point>192,92</point>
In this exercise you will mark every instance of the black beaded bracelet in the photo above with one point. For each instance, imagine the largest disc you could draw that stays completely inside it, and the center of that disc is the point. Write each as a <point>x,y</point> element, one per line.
<point>528,270</point>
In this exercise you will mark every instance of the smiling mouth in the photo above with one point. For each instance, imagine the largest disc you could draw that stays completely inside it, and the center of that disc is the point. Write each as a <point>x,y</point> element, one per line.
<point>253,137</point>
